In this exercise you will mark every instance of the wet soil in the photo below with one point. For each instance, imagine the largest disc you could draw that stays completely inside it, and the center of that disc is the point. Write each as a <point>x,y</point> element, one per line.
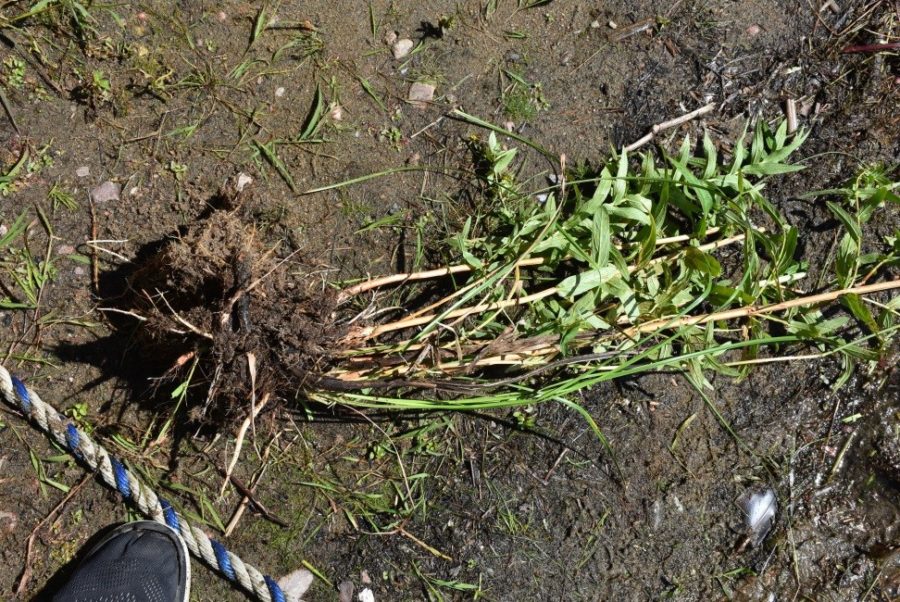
<point>172,101</point>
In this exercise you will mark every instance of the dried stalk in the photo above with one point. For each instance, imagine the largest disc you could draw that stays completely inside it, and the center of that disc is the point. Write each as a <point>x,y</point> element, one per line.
<point>524,355</point>
<point>749,310</point>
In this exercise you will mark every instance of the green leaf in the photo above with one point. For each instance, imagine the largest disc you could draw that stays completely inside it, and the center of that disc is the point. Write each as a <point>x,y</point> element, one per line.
<point>604,185</point>
<point>847,261</point>
<point>771,169</point>
<point>503,159</point>
<point>620,183</point>
<point>849,222</point>
<point>600,237</point>
<point>702,262</point>
<point>367,86</point>
<point>630,214</point>
<point>15,230</point>
<point>781,135</point>
<point>861,312</point>
<point>698,187</point>
<point>580,283</point>
<point>314,117</point>
<point>711,156</point>
<point>270,154</point>
<point>740,153</point>
<point>259,25</point>
<point>788,248</point>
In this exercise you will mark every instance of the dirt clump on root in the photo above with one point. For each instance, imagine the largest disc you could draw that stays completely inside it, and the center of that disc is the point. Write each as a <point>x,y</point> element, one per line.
<point>237,315</point>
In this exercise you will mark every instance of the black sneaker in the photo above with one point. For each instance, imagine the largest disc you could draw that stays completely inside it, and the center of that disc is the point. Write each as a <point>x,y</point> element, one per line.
<point>141,561</point>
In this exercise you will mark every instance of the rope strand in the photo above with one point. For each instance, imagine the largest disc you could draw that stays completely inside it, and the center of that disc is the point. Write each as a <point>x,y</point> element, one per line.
<point>115,475</point>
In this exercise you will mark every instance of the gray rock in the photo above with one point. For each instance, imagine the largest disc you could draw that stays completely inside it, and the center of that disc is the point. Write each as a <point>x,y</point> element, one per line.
<point>105,192</point>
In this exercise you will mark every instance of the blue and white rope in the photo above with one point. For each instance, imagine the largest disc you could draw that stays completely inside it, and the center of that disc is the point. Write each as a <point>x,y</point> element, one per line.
<point>114,474</point>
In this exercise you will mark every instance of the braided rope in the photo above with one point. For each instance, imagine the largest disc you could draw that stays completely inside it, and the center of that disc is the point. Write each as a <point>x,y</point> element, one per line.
<point>114,474</point>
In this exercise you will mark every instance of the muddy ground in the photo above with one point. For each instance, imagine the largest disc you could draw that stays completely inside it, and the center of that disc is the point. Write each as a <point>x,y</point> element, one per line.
<point>167,101</point>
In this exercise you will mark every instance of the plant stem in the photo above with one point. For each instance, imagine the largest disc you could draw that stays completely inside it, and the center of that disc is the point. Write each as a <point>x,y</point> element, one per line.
<point>749,310</point>
<point>409,322</point>
<point>373,283</point>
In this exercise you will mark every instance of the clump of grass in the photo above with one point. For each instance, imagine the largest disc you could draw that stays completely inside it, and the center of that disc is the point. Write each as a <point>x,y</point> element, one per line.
<point>522,100</point>
<point>28,273</point>
<point>631,266</point>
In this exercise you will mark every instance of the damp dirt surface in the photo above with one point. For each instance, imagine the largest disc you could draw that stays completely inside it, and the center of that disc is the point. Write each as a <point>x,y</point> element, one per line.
<point>182,139</point>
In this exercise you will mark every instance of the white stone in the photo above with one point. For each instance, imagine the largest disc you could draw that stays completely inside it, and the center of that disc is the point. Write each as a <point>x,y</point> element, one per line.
<point>402,47</point>
<point>366,595</point>
<point>295,584</point>
<point>243,180</point>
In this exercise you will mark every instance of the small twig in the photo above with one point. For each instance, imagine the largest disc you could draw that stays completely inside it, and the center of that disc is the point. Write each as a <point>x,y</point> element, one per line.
<point>184,322</point>
<point>92,244</point>
<point>666,125</point>
<point>870,48</point>
<point>559,458</point>
<point>422,544</point>
<point>8,109</point>
<point>429,126</point>
<point>131,314</point>
<point>95,263</point>
<point>249,498</point>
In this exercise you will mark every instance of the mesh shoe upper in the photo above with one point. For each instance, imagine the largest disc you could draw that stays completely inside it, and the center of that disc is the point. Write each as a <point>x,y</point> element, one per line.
<point>138,562</point>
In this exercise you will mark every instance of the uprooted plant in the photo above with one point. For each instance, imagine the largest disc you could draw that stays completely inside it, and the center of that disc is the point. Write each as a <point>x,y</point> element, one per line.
<point>631,266</point>
<point>618,270</point>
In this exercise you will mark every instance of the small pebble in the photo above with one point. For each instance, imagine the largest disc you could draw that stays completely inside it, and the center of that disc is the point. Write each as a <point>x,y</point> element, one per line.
<point>221,16</point>
<point>366,595</point>
<point>612,25</point>
<point>3,229</point>
<point>753,30</point>
<point>364,577</point>
<point>105,192</point>
<point>420,94</point>
<point>389,38</point>
<point>401,48</point>
<point>83,171</point>
<point>509,126</point>
<point>595,24</point>
<point>65,250</point>
<point>8,521</point>
<point>243,180</point>
<point>337,112</point>
<point>279,91</point>
<point>80,271</point>
<point>345,591</point>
